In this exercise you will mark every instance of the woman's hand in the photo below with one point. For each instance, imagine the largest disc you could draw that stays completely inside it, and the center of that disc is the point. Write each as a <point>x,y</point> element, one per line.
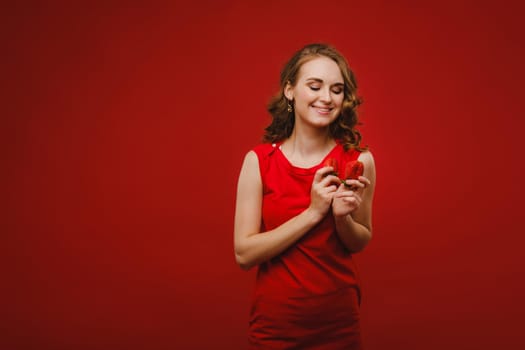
<point>324,186</point>
<point>348,197</point>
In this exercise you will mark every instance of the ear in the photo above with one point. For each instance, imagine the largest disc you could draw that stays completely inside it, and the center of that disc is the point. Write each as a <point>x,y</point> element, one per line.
<point>288,91</point>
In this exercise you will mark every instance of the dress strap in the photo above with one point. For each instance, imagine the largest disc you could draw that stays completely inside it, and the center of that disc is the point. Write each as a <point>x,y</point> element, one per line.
<point>264,151</point>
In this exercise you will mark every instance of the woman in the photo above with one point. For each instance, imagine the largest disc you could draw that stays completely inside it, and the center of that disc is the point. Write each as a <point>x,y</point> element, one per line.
<point>296,219</point>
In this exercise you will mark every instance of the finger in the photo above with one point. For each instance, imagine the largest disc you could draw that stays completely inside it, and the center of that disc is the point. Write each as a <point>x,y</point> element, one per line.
<point>329,189</point>
<point>348,194</point>
<point>332,188</point>
<point>330,179</point>
<point>355,199</point>
<point>322,172</point>
<point>345,193</point>
<point>364,180</point>
<point>351,200</point>
<point>350,183</point>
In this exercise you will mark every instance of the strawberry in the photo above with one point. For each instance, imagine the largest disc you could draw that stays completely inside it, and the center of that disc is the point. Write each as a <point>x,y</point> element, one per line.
<point>333,163</point>
<point>353,170</point>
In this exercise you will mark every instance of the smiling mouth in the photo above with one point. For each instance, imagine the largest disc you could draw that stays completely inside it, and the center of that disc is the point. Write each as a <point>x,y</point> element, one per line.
<point>322,110</point>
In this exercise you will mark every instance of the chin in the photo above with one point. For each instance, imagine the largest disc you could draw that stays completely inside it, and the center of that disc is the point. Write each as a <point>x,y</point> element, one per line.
<point>324,120</point>
<point>322,124</point>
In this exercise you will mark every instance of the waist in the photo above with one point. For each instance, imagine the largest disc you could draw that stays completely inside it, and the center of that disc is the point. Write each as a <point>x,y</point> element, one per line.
<point>300,275</point>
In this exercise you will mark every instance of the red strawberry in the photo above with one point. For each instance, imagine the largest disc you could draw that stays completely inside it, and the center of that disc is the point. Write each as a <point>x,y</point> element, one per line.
<point>333,163</point>
<point>353,170</point>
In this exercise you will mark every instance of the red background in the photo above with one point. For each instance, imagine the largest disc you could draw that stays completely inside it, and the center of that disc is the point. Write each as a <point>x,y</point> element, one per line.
<point>123,132</point>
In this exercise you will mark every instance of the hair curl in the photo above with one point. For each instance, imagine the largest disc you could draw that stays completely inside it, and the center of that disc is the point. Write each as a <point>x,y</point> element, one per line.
<point>343,128</point>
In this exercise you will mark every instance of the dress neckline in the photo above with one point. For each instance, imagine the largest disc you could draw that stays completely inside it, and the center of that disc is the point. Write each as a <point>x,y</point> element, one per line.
<point>301,170</point>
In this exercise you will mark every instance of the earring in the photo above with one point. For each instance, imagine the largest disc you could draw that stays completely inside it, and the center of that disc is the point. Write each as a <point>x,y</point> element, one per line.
<point>290,108</point>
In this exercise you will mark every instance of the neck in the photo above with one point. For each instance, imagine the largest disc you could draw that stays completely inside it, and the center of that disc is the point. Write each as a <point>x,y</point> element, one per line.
<point>308,142</point>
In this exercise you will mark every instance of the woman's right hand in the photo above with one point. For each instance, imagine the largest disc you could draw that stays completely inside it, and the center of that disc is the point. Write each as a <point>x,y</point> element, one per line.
<point>323,190</point>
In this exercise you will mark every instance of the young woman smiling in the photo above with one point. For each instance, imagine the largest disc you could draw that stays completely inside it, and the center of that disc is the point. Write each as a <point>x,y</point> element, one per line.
<point>296,220</point>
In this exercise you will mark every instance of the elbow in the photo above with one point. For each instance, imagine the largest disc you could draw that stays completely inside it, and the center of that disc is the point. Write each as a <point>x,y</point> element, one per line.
<point>357,248</point>
<point>243,263</point>
<point>360,245</point>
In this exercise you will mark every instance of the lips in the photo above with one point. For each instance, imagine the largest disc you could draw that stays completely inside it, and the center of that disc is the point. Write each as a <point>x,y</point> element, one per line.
<point>322,110</point>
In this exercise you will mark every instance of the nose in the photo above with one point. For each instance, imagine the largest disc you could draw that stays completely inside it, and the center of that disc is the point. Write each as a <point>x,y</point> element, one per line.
<point>326,96</point>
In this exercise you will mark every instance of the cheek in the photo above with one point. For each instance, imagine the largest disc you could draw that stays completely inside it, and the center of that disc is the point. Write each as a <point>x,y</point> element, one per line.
<point>305,97</point>
<point>338,100</point>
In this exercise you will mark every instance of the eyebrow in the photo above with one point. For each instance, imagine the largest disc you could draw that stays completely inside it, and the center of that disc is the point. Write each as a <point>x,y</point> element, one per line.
<point>321,81</point>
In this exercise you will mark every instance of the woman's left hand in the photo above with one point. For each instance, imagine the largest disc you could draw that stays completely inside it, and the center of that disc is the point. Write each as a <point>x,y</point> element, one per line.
<point>347,198</point>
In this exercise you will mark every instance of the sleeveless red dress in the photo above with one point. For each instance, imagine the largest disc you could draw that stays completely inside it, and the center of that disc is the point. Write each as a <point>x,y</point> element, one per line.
<point>308,296</point>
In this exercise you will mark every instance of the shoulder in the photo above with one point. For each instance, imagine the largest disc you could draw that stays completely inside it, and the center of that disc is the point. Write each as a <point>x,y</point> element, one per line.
<point>367,158</point>
<point>257,161</point>
<point>264,149</point>
<point>251,158</point>
<point>250,168</point>
<point>258,156</point>
<point>262,152</point>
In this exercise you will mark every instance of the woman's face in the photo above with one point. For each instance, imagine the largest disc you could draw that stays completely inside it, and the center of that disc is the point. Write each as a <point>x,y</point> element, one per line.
<point>318,93</point>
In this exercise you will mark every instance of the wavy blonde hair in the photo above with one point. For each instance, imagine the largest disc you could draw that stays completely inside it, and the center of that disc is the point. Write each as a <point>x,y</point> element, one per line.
<point>343,128</point>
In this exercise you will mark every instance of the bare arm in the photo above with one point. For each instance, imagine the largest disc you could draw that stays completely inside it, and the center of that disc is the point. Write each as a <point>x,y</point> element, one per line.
<point>253,247</point>
<point>353,208</point>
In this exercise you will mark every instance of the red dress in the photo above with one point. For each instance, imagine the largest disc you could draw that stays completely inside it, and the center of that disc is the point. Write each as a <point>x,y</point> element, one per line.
<point>308,296</point>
